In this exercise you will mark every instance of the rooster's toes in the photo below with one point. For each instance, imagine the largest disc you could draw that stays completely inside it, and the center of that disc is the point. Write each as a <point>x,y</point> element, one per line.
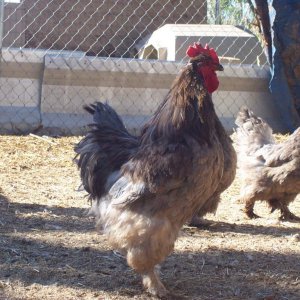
<point>160,293</point>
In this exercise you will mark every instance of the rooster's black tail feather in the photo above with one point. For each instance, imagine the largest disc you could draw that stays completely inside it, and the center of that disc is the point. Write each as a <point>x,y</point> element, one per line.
<point>104,149</point>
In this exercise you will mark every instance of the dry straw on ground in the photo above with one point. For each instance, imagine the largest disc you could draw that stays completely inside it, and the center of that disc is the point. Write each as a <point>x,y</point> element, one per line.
<point>50,250</point>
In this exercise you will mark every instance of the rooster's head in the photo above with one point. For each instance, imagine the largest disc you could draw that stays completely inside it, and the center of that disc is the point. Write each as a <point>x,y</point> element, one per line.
<point>207,63</point>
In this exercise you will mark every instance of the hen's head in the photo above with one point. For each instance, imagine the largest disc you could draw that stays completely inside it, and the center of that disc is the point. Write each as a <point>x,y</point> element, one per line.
<point>207,63</point>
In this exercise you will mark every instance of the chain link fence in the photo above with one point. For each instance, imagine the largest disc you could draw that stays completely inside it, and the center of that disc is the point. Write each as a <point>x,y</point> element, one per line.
<point>58,55</point>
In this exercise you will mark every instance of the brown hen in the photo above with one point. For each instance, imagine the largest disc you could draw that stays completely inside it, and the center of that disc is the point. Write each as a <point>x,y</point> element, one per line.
<point>270,171</point>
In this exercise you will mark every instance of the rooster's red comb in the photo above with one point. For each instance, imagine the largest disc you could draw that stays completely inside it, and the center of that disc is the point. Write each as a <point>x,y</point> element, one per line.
<point>197,49</point>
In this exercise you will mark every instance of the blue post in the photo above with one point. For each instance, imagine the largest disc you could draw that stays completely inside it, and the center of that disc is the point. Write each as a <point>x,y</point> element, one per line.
<point>285,81</point>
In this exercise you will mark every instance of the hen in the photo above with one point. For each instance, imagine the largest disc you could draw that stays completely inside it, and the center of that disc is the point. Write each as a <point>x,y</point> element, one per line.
<point>269,171</point>
<point>145,188</point>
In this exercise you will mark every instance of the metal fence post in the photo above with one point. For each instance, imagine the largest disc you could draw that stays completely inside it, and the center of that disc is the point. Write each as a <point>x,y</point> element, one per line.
<point>1,28</point>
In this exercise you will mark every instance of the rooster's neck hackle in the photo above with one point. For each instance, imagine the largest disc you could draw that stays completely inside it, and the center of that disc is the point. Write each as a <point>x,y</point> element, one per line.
<point>187,109</point>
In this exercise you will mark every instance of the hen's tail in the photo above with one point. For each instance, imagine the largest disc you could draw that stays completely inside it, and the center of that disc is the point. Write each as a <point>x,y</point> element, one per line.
<point>252,132</point>
<point>104,149</point>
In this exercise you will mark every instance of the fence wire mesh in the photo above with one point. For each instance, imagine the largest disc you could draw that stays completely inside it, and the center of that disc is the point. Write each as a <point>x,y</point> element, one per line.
<point>58,55</point>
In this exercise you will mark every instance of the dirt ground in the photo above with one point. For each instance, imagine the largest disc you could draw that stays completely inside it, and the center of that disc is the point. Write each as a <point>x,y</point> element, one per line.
<point>49,248</point>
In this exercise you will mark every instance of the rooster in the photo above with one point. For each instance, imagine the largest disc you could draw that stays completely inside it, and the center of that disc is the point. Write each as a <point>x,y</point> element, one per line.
<point>144,188</point>
<point>270,171</point>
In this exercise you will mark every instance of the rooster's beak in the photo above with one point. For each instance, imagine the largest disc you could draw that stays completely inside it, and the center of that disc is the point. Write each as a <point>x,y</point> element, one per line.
<point>219,67</point>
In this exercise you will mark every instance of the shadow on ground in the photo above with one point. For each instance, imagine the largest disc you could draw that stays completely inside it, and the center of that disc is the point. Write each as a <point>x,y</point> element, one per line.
<point>224,227</point>
<point>217,274</point>
<point>24,217</point>
<point>213,274</point>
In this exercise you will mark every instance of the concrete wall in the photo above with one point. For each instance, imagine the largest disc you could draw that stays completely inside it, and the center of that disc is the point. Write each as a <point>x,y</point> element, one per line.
<point>101,27</point>
<point>50,90</point>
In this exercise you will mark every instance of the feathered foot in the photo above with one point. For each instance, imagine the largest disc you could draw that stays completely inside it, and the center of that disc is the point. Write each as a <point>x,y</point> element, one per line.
<point>249,210</point>
<point>252,215</point>
<point>286,215</point>
<point>154,286</point>
<point>199,222</point>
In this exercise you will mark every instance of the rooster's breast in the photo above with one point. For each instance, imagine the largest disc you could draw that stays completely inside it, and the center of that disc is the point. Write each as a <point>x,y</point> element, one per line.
<point>201,183</point>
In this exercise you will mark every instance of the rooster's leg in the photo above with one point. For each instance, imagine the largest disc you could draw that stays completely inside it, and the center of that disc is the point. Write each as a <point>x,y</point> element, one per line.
<point>153,284</point>
<point>149,249</point>
<point>249,209</point>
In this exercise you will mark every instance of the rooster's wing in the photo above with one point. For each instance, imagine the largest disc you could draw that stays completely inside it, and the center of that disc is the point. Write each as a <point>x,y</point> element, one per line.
<point>160,169</point>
